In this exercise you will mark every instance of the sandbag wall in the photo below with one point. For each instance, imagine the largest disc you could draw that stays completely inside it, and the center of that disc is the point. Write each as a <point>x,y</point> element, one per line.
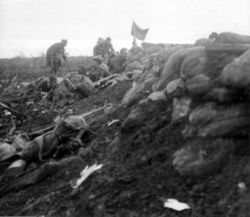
<point>151,66</point>
<point>209,88</point>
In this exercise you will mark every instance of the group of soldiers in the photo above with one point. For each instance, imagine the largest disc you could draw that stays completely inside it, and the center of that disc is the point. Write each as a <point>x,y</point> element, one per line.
<point>55,56</point>
<point>56,53</point>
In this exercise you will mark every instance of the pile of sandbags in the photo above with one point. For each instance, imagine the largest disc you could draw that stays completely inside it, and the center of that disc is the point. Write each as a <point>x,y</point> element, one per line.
<point>208,86</point>
<point>214,105</point>
<point>144,81</point>
<point>211,120</point>
<point>194,159</point>
<point>185,63</point>
<point>217,129</point>
<point>200,61</point>
<point>230,37</point>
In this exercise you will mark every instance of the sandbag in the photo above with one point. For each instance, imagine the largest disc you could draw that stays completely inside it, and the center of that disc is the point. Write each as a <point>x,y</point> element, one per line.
<point>203,114</point>
<point>139,91</point>
<point>200,84</point>
<point>222,95</point>
<point>194,63</point>
<point>157,96</point>
<point>189,131</point>
<point>233,38</point>
<point>174,86</point>
<point>203,42</point>
<point>174,66</point>
<point>192,160</point>
<point>225,127</point>
<point>181,108</point>
<point>215,121</point>
<point>165,54</point>
<point>209,112</point>
<point>220,55</point>
<point>237,73</point>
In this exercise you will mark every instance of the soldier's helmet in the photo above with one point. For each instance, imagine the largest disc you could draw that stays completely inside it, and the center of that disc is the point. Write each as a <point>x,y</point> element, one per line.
<point>213,35</point>
<point>64,41</point>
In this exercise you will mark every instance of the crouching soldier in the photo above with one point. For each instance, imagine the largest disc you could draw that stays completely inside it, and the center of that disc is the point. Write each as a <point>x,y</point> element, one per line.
<point>55,57</point>
<point>104,48</point>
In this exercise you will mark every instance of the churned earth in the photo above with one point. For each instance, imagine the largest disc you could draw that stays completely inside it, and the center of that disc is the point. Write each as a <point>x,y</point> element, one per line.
<point>137,174</point>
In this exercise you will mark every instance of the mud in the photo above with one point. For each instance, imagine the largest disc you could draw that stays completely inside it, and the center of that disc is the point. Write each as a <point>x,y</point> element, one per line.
<point>138,174</point>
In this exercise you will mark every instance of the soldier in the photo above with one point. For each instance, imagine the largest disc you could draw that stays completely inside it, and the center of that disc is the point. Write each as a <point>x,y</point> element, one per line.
<point>116,63</point>
<point>55,57</point>
<point>104,48</point>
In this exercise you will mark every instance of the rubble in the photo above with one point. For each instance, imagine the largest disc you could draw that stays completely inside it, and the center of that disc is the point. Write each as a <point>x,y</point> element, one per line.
<point>175,205</point>
<point>86,173</point>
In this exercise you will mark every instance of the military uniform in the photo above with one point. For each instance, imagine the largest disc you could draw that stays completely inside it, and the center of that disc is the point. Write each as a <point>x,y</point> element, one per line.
<point>103,48</point>
<point>55,57</point>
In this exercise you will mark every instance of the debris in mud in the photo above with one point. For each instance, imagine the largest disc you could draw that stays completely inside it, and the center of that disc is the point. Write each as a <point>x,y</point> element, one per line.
<point>85,174</point>
<point>176,205</point>
<point>110,123</point>
<point>242,187</point>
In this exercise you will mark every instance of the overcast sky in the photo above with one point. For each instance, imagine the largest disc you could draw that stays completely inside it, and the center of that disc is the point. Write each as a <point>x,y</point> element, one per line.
<point>29,26</point>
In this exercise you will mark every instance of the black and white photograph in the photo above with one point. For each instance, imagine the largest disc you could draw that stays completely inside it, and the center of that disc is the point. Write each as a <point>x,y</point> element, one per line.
<point>124,108</point>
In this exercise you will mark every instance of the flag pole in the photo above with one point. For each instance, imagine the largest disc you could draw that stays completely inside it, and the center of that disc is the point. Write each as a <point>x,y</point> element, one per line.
<point>134,41</point>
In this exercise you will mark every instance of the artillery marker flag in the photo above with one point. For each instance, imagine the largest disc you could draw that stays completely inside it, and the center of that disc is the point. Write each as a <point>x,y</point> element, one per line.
<point>139,33</point>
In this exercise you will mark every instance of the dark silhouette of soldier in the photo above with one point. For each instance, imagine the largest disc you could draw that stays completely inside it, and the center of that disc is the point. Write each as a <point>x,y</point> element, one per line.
<point>104,48</point>
<point>55,57</point>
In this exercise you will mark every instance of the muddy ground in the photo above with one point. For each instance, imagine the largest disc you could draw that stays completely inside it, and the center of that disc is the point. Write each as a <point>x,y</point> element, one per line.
<point>138,174</point>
